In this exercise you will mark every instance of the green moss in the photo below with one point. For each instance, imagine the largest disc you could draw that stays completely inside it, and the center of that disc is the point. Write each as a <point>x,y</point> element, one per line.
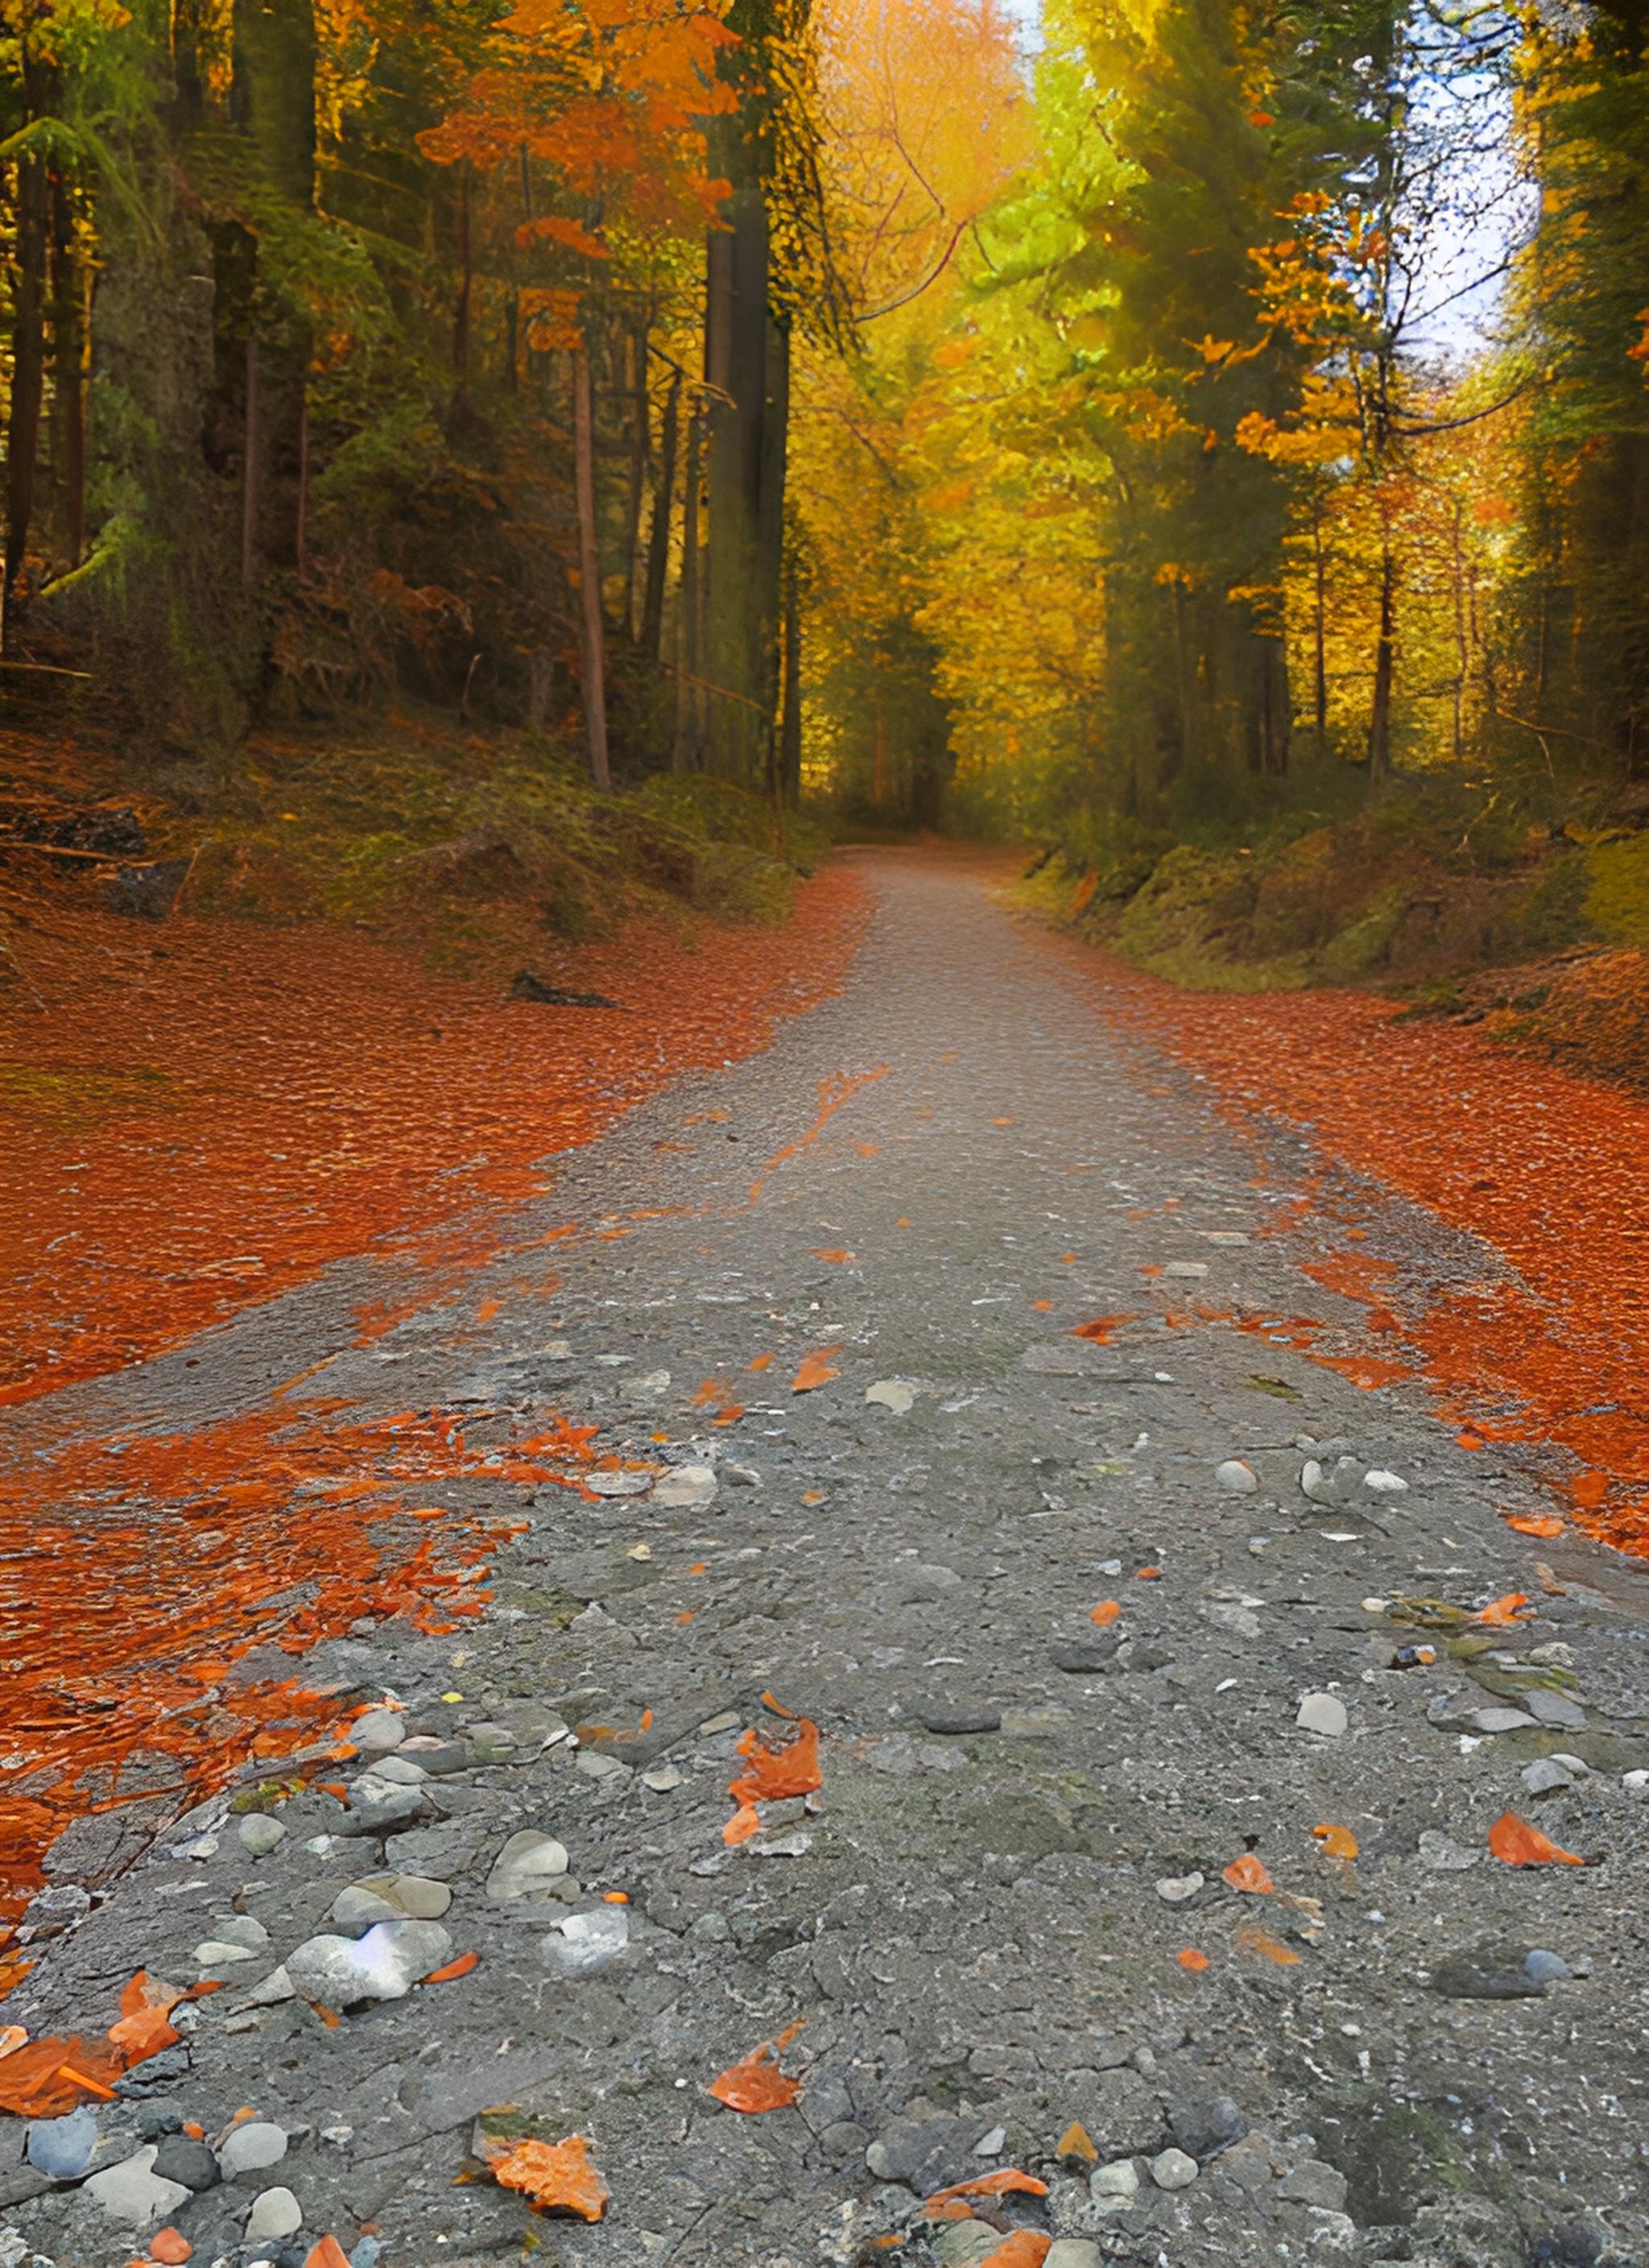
<point>1365,944</point>
<point>1617,902</point>
<point>70,1100</point>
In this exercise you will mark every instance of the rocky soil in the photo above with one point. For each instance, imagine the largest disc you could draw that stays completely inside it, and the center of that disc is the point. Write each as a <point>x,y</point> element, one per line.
<point>1118,1648</point>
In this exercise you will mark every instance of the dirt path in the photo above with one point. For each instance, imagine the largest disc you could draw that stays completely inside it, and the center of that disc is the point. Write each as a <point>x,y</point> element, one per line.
<point>1064,1870</point>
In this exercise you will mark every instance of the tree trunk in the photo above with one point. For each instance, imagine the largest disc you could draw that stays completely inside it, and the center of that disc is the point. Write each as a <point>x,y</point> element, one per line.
<point>789,743</point>
<point>1380,712</point>
<point>273,94</point>
<point>28,320</point>
<point>659,540</point>
<point>70,342</point>
<point>1319,630</point>
<point>688,666</point>
<point>300,531</point>
<point>466,288</point>
<point>640,451</point>
<point>748,363</point>
<point>593,643</point>
<point>249,470</point>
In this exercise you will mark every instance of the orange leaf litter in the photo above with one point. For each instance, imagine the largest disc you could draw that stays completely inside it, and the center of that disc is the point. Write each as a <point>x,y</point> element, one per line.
<point>554,2176</point>
<point>281,1094</point>
<point>296,1094</point>
<point>1515,1151</point>
<point>774,1770</point>
<point>1246,1873</point>
<point>1514,1843</point>
<point>755,2083</point>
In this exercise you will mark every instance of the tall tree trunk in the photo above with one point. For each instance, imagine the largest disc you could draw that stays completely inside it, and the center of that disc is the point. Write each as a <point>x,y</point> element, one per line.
<point>273,94</point>
<point>300,532</point>
<point>658,539</point>
<point>640,452</point>
<point>1384,654</point>
<point>1319,630</point>
<point>688,662</point>
<point>251,443</point>
<point>28,328</point>
<point>71,340</point>
<point>748,363</point>
<point>594,642</point>
<point>790,742</point>
<point>466,290</point>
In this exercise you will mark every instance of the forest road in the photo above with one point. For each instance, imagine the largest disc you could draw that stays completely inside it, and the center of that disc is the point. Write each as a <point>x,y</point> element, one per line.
<point>1086,1704</point>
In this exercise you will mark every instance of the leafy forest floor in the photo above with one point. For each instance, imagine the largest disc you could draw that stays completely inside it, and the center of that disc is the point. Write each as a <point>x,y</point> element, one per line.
<point>996,1592</point>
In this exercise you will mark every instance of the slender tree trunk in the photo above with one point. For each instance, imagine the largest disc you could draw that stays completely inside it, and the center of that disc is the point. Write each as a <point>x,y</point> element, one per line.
<point>28,326</point>
<point>465,286</point>
<point>688,662</point>
<point>300,530</point>
<point>659,540</point>
<point>640,452</point>
<point>250,446</point>
<point>789,743</point>
<point>1462,649</point>
<point>70,341</point>
<point>1380,712</point>
<point>594,638</point>
<point>1319,630</point>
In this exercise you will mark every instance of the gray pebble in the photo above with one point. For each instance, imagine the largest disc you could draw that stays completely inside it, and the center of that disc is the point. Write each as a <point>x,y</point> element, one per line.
<point>259,1833</point>
<point>1173,2169</point>
<point>62,2148</point>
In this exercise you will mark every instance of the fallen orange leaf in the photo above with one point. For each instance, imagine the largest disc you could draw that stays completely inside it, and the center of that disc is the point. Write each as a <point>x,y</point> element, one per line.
<point>1246,1873</point>
<point>1338,1842</point>
<point>744,1823</point>
<point>327,2254</point>
<point>1003,2183</point>
<point>1076,2142</point>
<point>1105,1612</point>
<point>1500,1612</point>
<point>1043,1306</point>
<point>1255,1940</point>
<point>454,1969</point>
<point>953,2209</point>
<point>12,2037</point>
<point>1027,2248</point>
<point>554,2176</point>
<point>1529,1524</point>
<point>781,1768</point>
<point>816,1369</point>
<point>1147,1575</point>
<point>1589,1489</point>
<point>837,1255</point>
<point>1516,1843</point>
<point>757,2083</point>
<point>1193,1960</point>
<point>762,1362</point>
<point>170,2247</point>
<point>1102,1328</point>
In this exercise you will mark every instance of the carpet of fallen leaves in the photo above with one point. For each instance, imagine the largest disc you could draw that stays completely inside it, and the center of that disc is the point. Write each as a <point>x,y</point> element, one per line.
<point>196,1118</point>
<point>202,1118</point>
<point>1550,1169</point>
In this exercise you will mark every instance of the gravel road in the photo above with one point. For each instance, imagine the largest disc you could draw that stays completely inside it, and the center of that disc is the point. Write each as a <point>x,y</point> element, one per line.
<point>1091,1673</point>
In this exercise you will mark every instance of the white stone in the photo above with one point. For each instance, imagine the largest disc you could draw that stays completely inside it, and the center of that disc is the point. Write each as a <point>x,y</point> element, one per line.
<point>618,1484</point>
<point>1073,2252</point>
<point>891,1394</point>
<point>213,1952</point>
<point>378,1731</point>
<point>661,1778</point>
<point>357,1908</point>
<point>585,1942</point>
<point>993,2143</point>
<point>1172,2169</point>
<point>1116,2184</point>
<point>248,2149</point>
<point>1186,1268</point>
<point>1324,1714</point>
<point>1384,1483</point>
<point>273,1989</point>
<point>400,1771</point>
<point>276,2212</point>
<point>527,1866</point>
<point>240,1929</point>
<point>132,2193</point>
<point>383,1965</point>
<point>1174,1889</point>
<point>1635,1783</point>
<point>1236,1476</point>
<point>689,1488</point>
<point>259,1833</point>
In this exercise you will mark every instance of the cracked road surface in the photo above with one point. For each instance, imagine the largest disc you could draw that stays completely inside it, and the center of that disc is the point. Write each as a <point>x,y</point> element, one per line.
<point>1058,1660</point>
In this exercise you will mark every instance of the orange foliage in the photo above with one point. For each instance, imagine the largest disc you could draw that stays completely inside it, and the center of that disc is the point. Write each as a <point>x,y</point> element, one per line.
<point>1027,2248</point>
<point>1246,1873</point>
<point>816,1369</point>
<point>1338,1842</point>
<point>554,2176</point>
<point>755,2083</point>
<point>1513,1841</point>
<point>1006,2182</point>
<point>1510,1149</point>
<point>364,1090</point>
